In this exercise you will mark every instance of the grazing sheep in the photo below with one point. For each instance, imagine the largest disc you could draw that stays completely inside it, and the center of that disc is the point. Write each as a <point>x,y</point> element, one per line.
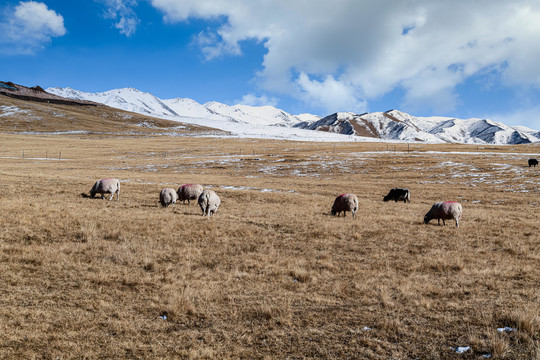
<point>398,194</point>
<point>189,192</point>
<point>444,211</point>
<point>106,186</point>
<point>209,202</point>
<point>345,202</point>
<point>167,197</point>
<point>533,162</point>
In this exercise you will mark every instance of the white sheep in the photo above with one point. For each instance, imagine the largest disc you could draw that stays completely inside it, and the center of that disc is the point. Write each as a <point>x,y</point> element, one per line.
<point>209,202</point>
<point>106,186</point>
<point>189,192</point>
<point>167,197</point>
<point>444,211</point>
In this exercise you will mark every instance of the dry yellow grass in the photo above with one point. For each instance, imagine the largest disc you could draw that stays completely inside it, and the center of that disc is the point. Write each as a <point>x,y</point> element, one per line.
<point>273,274</point>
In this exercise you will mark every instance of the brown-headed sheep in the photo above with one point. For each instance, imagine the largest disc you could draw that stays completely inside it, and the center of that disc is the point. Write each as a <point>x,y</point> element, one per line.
<point>345,202</point>
<point>444,211</point>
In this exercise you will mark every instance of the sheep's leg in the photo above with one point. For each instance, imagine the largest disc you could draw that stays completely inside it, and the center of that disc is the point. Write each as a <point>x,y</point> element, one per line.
<point>443,222</point>
<point>438,221</point>
<point>457,223</point>
<point>112,195</point>
<point>118,195</point>
<point>103,195</point>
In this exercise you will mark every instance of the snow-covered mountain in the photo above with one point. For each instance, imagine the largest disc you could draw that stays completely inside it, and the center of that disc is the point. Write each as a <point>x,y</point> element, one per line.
<point>130,99</point>
<point>394,125</point>
<point>397,125</point>
<point>481,130</point>
<point>259,121</point>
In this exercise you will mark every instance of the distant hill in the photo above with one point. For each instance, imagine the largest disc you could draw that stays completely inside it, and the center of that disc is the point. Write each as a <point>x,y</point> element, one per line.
<point>36,93</point>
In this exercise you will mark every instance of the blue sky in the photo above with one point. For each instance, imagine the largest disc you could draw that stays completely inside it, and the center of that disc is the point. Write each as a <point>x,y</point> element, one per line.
<point>445,58</point>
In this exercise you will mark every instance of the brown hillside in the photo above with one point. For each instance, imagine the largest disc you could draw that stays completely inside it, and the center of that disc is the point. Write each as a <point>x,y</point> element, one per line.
<point>37,93</point>
<point>18,115</point>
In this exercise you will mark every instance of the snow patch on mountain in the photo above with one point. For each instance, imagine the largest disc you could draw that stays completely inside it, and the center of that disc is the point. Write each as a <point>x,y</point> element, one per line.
<point>128,99</point>
<point>190,108</point>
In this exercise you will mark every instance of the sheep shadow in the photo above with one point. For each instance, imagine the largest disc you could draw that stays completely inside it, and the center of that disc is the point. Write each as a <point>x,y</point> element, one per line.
<point>87,196</point>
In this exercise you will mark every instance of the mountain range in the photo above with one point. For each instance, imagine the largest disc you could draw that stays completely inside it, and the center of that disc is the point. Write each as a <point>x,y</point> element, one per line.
<point>391,125</point>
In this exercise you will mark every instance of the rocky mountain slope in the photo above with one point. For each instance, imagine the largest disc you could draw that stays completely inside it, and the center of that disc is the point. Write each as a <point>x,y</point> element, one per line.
<point>397,125</point>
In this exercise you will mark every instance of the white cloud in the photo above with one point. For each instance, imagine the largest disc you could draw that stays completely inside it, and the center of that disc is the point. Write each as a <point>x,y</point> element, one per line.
<point>28,27</point>
<point>253,100</point>
<point>121,11</point>
<point>365,49</point>
<point>330,94</point>
<point>212,47</point>
<point>529,117</point>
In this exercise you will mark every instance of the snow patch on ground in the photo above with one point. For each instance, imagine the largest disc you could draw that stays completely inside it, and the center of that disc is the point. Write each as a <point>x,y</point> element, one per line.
<point>10,111</point>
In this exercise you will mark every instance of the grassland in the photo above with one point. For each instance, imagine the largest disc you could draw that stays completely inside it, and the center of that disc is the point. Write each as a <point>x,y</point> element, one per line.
<point>273,274</point>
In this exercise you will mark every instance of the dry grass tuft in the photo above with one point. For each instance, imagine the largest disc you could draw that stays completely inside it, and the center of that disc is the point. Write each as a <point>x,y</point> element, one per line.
<point>178,306</point>
<point>526,321</point>
<point>88,232</point>
<point>301,275</point>
<point>500,346</point>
